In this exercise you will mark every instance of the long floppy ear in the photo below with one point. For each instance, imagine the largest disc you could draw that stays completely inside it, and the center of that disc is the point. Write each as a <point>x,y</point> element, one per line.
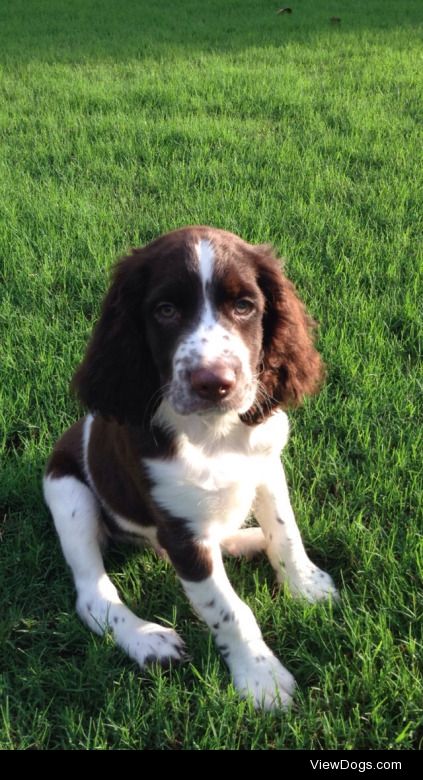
<point>291,367</point>
<point>117,377</point>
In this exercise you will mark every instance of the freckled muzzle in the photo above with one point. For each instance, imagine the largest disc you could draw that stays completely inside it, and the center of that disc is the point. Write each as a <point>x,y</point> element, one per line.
<point>220,386</point>
<point>211,371</point>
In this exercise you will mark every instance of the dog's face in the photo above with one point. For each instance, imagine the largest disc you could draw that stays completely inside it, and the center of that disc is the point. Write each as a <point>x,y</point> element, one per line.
<point>205,320</point>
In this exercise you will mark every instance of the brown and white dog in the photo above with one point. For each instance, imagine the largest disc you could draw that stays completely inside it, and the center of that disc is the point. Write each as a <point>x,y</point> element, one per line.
<point>200,342</point>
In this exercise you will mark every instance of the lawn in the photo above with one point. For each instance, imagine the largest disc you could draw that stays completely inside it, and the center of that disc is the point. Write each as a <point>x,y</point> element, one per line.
<point>119,121</point>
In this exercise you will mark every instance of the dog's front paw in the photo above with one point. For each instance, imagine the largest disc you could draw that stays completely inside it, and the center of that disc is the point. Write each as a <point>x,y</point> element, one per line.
<point>149,643</point>
<point>258,674</point>
<point>310,582</point>
<point>143,641</point>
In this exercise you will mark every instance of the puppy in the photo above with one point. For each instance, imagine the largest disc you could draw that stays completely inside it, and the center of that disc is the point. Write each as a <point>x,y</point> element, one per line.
<point>200,343</point>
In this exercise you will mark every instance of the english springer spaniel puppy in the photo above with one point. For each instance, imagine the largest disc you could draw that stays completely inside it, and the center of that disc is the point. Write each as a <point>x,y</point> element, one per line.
<point>200,342</point>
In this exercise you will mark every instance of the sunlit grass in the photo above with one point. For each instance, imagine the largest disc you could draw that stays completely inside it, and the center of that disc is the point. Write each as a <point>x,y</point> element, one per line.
<point>119,122</point>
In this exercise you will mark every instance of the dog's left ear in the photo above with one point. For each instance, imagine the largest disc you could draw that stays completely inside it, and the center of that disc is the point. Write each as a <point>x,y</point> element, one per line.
<point>291,367</point>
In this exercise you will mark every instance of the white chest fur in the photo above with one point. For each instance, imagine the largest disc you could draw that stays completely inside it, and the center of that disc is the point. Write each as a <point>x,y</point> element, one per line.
<point>212,481</point>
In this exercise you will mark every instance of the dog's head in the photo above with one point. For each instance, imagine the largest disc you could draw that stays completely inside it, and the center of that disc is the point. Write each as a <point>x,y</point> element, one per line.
<point>208,322</point>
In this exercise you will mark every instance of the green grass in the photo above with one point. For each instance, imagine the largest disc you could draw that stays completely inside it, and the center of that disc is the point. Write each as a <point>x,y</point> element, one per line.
<point>119,121</point>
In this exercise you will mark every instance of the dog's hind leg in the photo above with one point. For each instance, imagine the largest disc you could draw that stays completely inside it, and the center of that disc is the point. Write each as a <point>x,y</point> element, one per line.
<point>247,542</point>
<point>76,515</point>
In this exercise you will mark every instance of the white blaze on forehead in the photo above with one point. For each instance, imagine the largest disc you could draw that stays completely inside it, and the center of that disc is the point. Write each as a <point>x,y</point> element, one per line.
<point>210,342</point>
<point>206,261</point>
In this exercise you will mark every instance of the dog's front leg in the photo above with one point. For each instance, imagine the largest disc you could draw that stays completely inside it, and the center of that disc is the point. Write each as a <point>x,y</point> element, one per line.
<point>254,668</point>
<point>285,548</point>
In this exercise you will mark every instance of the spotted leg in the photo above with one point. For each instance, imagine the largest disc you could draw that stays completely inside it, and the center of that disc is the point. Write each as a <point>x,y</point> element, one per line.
<point>255,670</point>
<point>75,512</point>
<point>285,548</point>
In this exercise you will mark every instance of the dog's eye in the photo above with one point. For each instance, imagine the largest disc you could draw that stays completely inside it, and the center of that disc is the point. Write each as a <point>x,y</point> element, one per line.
<point>243,307</point>
<point>166,311</point>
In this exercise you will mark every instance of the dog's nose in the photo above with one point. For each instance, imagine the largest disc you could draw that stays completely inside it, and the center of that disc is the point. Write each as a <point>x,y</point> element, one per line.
<point>213,383</point>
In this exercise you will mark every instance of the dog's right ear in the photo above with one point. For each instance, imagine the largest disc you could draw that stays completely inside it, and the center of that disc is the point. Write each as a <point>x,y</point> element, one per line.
<point>118,378</point>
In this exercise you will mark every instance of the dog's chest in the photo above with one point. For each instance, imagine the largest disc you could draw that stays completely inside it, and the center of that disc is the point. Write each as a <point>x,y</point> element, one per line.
<point>206,489</point>
<point>215,486</point>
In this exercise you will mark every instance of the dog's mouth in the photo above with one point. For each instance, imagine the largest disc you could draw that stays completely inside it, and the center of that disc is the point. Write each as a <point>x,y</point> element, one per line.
<point>201,407</point>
